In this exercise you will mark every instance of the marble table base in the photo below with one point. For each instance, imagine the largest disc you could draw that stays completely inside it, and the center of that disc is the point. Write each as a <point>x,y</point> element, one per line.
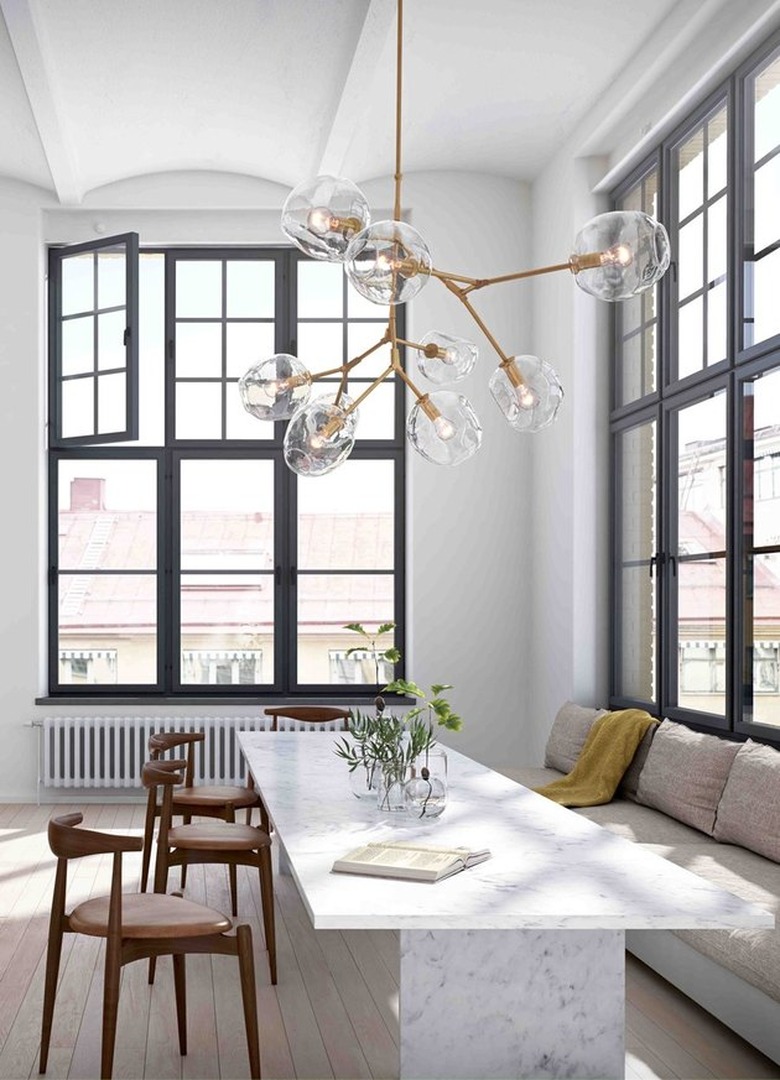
<point>512,1003</point>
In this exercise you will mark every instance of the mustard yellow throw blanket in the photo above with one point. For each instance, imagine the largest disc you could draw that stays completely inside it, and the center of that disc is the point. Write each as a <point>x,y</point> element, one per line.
<point>607,753</point>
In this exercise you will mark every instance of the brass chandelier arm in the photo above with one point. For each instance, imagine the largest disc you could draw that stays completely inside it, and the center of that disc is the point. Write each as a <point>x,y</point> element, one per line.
<point>461,295</point>
<point>369,389</point>
<point>471,284</point>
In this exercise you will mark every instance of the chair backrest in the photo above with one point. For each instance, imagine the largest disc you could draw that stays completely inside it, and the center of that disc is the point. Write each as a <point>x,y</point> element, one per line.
<point>163,741</point>
<point>309,714</point>
<point>165,774</point>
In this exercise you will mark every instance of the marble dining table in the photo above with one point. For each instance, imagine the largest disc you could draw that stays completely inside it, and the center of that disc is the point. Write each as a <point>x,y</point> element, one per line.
<point>515,967</point>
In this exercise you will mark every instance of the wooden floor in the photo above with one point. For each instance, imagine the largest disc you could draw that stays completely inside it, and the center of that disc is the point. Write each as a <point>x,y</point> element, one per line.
<point>333,1013</point>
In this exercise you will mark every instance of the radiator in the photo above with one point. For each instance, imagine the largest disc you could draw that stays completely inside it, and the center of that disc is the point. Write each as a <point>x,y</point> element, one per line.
<point>108,751</point>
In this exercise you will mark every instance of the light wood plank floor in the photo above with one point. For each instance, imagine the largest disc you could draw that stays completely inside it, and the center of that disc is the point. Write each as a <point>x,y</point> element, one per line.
<point>333,1013</point>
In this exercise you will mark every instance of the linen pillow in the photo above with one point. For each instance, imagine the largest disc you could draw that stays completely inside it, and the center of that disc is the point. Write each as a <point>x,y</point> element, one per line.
<point>685,774</point>
<point>567,736</point>
<point>630,782</point>
<point>749,808</point>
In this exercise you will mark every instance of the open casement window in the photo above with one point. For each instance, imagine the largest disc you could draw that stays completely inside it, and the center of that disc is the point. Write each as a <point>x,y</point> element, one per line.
<point>93,328</point>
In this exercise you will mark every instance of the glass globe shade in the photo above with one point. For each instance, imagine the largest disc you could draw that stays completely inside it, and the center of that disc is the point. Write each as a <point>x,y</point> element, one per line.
<point>620,254</point>
<point>322,215</point>
<point>320,436</point>
<point>452,436</point>
<point>533,404</point>
<point>275,388</point>
<point>388,263</point>
<point>459,358</point>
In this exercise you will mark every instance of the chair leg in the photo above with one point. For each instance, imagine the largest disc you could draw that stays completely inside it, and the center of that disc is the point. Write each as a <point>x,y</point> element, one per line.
<point>53,955</point>
<point>267,894</point>
<point>151,814</point>
<point>152,969</point>
<point>233,877</point>
<point>186,820</point>
<point>246,965</point>
<point>110,1006</point>
<point>180,986</point>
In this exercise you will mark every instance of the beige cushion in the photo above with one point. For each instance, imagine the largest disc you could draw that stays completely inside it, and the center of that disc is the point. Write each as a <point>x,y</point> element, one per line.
<point>630,782</point>
<point>685,774</point>
<point>641,824</point>
<point>749,808</point>
<point>754,955</point>
<point>567,737</point>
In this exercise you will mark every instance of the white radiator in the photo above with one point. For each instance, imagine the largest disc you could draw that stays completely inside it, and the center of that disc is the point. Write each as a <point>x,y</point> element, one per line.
<point>108,751</point>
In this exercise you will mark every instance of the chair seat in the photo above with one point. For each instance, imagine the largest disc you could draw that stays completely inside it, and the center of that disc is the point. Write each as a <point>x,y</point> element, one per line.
<point>209,795</point>
<point>150,915</point>
<point>218,836</point>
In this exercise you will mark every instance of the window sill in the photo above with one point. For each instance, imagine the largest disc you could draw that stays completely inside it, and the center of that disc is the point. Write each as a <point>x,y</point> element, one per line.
<point>257,702</point>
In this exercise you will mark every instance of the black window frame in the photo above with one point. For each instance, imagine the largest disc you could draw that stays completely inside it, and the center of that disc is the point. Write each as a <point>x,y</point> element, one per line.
<point>285,572</point>
<point>743,363</point>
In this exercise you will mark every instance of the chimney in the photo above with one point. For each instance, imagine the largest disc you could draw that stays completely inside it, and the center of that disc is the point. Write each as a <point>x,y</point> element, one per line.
<point>88,493</point>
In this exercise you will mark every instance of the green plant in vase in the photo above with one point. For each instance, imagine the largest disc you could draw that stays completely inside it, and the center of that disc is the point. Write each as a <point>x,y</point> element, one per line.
<point>425,792</point>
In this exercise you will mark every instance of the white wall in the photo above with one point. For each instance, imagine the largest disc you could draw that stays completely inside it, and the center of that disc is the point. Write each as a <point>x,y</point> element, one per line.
<point>468,528</point>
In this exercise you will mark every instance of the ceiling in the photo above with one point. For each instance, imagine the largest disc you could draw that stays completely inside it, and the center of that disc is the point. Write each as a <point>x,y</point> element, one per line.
<point>95,91</point>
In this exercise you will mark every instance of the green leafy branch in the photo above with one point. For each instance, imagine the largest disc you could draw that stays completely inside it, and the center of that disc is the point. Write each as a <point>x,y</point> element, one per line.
<point>392,655</point>
<point>436,708</point>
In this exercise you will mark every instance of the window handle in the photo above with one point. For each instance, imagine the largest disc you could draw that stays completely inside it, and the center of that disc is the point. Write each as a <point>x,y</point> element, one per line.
<point>653,564</point>
<point>673,561</point>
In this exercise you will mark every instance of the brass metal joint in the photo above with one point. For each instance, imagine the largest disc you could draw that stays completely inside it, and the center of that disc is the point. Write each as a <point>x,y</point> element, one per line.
<point>432,350</point>
<point>328,430</point>
<point>589,261</point>
<point>512,371</point>
<point>346,225</point>
<point>429,408</point>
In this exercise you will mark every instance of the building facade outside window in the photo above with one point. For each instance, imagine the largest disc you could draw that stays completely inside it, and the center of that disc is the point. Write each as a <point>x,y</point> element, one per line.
<point>182,547</point>
<point>696,423</point>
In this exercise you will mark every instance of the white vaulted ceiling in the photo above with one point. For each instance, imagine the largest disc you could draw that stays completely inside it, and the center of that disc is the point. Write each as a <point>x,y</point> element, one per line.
<point>95,91</point>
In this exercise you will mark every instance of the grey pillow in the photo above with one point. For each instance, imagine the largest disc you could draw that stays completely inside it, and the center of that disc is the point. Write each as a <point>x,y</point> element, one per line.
<point>749,808</point>
<point>685,774</point>
<point>567,737</point>
<point>630,782</point>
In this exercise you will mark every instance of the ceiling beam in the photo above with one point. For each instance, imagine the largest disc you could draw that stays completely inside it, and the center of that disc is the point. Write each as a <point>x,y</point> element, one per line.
<point>33,57</point>
<point>364,69</point>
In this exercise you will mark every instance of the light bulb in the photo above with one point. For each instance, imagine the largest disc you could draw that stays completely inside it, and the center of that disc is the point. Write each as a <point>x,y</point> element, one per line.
<point>388,263</point>
<point>444,428</point>
<point>619,255</point>
<point>319,220</point>
<point>526,398</point>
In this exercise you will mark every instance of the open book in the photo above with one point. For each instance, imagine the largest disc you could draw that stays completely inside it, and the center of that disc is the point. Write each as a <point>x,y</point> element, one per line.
<point>413,861</point>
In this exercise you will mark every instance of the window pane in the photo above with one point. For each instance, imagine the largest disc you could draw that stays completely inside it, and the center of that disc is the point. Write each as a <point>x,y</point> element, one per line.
<point>199,350</point>
<point>78,283</point>
<point>198,289</point>
<point>248,344</point>
<point>321,345</point>
<point>345,518</point>
<point>690,159</point>
<point>716,324</point>
<point>690,257</point>
<point>78,345</point>
<point>326,603</point>
<point>717,154</point>
<point>107,517</point>
<point>108,612</point>
<point>701,600</point>
<point>637,541</point>
<point>763,660</point>
<point>112,288</point>
<point>78,408</point>
<point>701,477</point>
<point>250,289</point>
<point>766,283</point>
<point>766,220</point>
<point>227,520</point>
<point>361,336</point>
<point>240,423</point>
<point>112,402</point>
<point>716,240</point>
<point>637,362</point>
<point>320,290</point>
<point>377,412</point>
<point>360,308</point>
<point>227,619</point>
<point>198,410</point>
<point>766,95</point>
<point>765,431</point>
<point>690,338</point>
<point>111,341</point>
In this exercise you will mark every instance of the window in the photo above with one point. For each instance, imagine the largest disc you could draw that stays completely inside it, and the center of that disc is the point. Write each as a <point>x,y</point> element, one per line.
<point>696,424</point>
<point>187,559</point>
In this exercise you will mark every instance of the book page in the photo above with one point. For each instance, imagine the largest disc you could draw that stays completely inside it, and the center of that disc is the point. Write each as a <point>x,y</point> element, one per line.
<point>407,857</point>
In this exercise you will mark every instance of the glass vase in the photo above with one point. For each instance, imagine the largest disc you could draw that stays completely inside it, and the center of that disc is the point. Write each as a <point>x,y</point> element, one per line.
<point>363,781</point>
<point>390,793</point>
<point>425,793</point>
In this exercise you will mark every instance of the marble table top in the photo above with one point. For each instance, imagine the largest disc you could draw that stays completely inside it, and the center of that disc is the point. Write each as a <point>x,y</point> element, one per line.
<point>550,868</point>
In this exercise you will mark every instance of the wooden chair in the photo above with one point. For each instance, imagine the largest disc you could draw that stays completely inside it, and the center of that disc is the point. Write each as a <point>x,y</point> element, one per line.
<point>223,842</point>
<point>309,714</point>
<point>135,926</point>
<point>202,800</point>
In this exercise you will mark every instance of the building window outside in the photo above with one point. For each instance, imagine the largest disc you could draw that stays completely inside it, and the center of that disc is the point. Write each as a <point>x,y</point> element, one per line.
<point>358,668</point>
<point>191,554</point>
<point>696,439</point>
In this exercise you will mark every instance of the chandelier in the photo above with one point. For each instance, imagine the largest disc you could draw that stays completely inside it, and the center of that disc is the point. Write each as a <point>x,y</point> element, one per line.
<point>615,256</point>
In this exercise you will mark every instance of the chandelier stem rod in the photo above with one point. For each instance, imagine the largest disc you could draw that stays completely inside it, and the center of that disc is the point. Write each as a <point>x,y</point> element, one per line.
<point>461,295</point>
<point>379,379</point>
<point>480,283</point>
<point>351,363</point>
<point>398,101</point>
<point>396,366</point>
